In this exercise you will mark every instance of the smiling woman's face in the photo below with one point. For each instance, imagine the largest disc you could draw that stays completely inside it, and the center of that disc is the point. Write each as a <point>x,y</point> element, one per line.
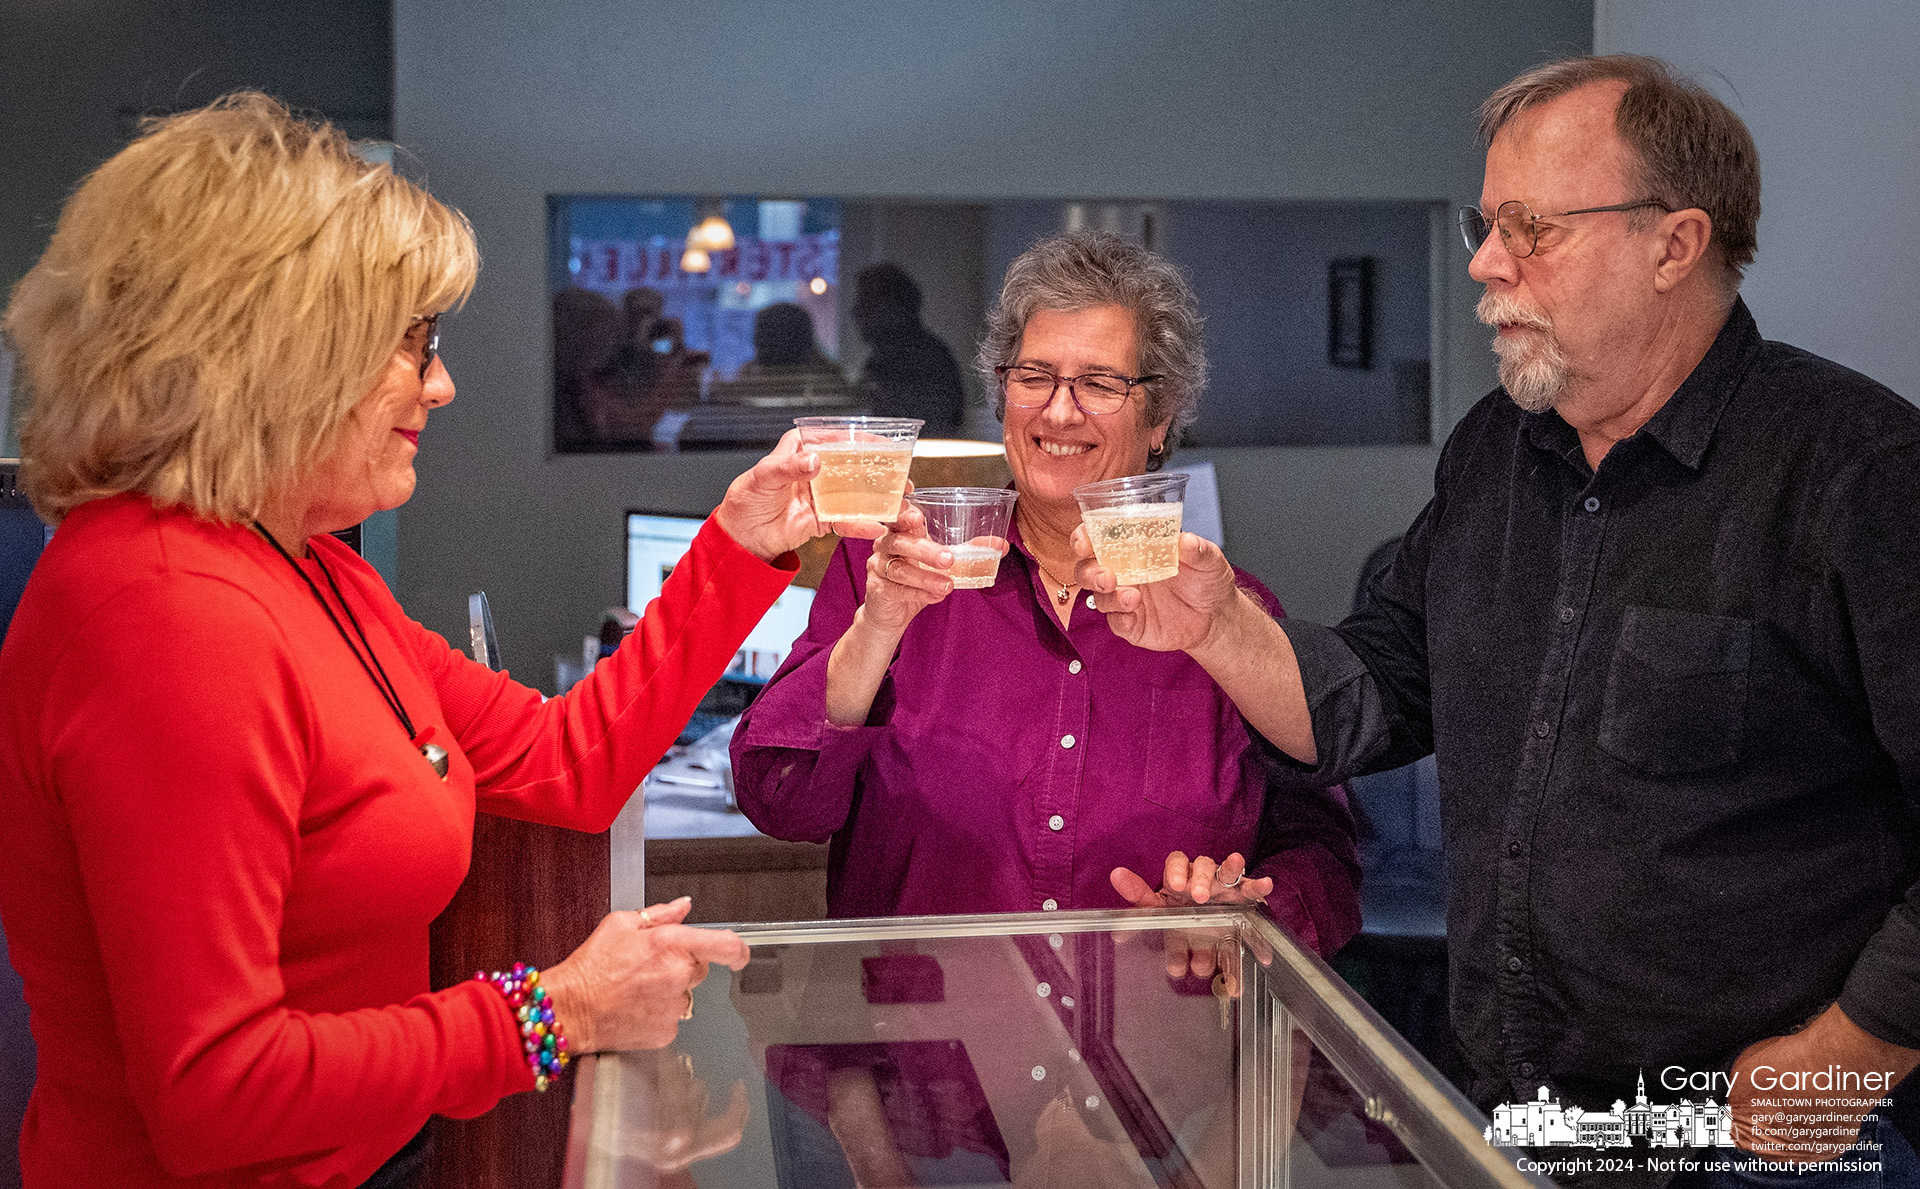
<point>371,470</point>
<point>1056,448</point>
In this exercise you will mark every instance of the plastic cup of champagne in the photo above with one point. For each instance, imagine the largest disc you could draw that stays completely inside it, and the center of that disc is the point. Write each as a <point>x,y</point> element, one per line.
<point>1134,525</point>
<point>971,522</point>
<point>863,465</point>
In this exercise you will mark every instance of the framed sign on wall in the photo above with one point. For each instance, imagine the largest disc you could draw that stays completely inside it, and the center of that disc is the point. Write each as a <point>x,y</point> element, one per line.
<point>1350,312</point>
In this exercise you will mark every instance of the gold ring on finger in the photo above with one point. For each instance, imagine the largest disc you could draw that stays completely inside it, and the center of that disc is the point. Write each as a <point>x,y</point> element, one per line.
<point>886,571</point>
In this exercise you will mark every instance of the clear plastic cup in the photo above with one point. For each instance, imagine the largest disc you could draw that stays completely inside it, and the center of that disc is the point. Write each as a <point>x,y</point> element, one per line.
<point>1134,524</point>
<point>863,465</point>
<point>972,523</point>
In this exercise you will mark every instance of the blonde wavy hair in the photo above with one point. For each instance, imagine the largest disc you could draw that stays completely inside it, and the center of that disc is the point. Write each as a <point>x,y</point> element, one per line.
<point>216,300</point>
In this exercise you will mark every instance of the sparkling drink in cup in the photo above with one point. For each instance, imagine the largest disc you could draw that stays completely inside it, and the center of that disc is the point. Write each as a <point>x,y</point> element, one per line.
<point>863,465</point>
<point>972,523</point>
<point>1134,525</point>
<point>974,566</point>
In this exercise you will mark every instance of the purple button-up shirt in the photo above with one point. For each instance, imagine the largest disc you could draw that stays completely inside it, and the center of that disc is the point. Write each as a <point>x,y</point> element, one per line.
<point>1010,765</point>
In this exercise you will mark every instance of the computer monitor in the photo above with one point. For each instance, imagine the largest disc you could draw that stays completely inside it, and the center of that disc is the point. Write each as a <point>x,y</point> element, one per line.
<point>22,536</point>
<point>656,541</point>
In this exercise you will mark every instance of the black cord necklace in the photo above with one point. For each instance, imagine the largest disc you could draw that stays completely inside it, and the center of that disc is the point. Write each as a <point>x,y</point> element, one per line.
<point>376,672</point>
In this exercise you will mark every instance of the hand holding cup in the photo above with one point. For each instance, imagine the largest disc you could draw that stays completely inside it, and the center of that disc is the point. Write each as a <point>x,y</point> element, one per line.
<point>861,481</point>
<point>906,573</point>
<point>1177,614</point>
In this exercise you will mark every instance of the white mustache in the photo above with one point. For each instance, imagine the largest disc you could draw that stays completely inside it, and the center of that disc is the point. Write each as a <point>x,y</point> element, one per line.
<point>1500,309</point>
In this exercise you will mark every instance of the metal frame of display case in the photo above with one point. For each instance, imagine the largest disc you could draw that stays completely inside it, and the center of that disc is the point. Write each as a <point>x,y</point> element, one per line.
<point>1283,984</point>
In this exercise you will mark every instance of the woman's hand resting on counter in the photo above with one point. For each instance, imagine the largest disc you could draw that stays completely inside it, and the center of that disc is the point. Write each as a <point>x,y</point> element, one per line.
<point>630,984</point>
<point>1195,881</point>
<point>769,509</point>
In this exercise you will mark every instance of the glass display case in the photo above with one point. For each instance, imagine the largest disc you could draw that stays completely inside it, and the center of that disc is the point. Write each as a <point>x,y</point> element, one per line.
<point>1198,1048</point>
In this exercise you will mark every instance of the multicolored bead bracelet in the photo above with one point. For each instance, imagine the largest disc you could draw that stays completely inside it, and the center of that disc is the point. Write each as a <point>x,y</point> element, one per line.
<point>540,1035</point>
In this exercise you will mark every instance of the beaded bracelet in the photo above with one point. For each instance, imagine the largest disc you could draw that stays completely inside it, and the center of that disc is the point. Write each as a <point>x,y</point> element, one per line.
<point>540,1035</point>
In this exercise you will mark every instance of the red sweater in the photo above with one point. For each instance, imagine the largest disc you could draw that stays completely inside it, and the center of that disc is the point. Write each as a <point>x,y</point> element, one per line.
<point>223,852</point>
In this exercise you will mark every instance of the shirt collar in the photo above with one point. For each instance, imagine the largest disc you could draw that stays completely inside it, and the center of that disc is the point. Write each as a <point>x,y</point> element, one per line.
<point>1684,426</point>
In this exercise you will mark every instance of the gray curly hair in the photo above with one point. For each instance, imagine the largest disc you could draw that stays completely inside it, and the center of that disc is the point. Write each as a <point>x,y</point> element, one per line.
<point>1093,268</point>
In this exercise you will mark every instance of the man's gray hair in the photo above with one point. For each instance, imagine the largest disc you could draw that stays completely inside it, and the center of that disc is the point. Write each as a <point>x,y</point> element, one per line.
<point>1689,148</point>
<point>1093,268</point>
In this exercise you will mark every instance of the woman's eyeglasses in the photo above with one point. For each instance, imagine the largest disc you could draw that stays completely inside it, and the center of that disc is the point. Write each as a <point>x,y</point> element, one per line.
<point>425,332</point>
<point>1094,393</point>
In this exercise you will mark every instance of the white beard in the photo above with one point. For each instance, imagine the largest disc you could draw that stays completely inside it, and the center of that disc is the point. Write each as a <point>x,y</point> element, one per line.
<point>1533,369</point>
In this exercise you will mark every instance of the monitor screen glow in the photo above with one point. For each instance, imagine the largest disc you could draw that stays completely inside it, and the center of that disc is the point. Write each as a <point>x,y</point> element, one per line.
<point>656,543</point>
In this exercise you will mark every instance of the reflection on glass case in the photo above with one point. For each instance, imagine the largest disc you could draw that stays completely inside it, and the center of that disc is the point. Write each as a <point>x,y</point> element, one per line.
<point>1195,1048</point>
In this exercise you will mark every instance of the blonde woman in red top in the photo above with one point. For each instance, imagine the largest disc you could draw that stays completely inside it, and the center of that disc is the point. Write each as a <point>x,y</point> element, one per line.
<point>236,780</point>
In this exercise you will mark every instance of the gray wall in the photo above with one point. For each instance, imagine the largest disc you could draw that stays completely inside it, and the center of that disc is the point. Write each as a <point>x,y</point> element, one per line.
<point>1828,91</point>
<point>1264,290</point>
<point>75,75</point>
<point>1126,98</point>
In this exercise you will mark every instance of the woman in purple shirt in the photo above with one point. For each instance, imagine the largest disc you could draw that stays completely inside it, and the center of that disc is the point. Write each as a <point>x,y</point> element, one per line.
<point>1002,750</point>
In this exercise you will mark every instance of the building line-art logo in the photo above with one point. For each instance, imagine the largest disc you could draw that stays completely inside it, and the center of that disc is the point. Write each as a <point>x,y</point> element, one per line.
<point>1544,1123</point>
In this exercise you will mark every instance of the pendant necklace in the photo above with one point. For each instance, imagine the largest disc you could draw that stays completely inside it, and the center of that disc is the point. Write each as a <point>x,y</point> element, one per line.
<point>436,755</point>
<point>1066,588</point>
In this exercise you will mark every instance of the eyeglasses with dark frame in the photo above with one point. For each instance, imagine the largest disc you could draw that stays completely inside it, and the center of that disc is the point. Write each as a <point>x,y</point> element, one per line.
<point>1094,393</point>
<point>430,347</point>
<point>1520,227</point>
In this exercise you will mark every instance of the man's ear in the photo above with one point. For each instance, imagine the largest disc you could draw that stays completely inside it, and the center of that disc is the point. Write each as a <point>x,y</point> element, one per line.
<point>1684,237</point>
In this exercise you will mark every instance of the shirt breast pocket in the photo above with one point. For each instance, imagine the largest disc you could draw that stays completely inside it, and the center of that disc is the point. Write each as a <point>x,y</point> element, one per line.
<point>1191,767</point>
<point>1676,699</point>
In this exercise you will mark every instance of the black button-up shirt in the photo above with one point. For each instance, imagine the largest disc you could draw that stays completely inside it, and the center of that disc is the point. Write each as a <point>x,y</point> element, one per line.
<point>1675,703</point>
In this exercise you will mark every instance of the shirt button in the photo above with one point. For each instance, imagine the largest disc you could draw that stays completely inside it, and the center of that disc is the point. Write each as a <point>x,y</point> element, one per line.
<point>1566,615</point>
<point>1526,1069</point>
<point>1066,740</point>
<point>1056,822</point>
<point>1541,729</point>
<point>1593,503</point>
<point>1514,965</point>
<point>1513,849</point>
<point>1073,666</point>
<point>1049,904</point>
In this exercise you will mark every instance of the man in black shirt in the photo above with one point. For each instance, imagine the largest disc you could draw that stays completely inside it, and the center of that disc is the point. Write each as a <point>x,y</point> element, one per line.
<point>1660,625</point>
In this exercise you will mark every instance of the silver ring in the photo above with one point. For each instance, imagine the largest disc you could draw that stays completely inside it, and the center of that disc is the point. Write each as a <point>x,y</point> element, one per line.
<point>1235,881</point>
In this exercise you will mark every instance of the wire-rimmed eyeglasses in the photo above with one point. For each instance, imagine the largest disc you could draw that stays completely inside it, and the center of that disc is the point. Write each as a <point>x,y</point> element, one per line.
<point>425,331</point>
<point>1520,227</point>
<point>1093,393</point>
